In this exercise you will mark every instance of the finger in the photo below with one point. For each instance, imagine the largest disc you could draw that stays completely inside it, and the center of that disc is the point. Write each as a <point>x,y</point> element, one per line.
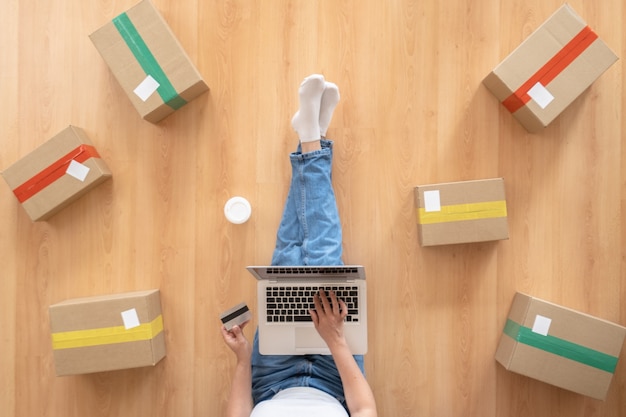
<point>224,332</point>
<point>226,335</point>
<point>344,309</point>
<point>325,303</point>
<point>236,334</point>
<point>334,302</point>
<point>318,304</point>
<point>314,317</point>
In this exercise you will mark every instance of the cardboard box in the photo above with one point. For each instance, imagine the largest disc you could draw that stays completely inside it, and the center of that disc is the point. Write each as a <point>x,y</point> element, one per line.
<point>56,173</point>
<point>148,62</point>
<point>106,333</point>
<point>560,346</point>
<point>550,69</point>
<point>461,212</point>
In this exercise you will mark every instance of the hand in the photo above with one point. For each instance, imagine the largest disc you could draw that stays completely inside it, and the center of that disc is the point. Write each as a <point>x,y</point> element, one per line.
<point>237,342</point>
<point>328,317</point>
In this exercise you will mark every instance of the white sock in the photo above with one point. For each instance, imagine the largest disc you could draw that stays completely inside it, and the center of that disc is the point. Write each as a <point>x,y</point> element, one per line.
<point>330,99</point>
<point>306,120</point>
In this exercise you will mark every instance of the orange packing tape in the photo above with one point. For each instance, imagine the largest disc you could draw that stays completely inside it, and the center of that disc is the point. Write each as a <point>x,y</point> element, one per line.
<point>551,69</point>
<point>54,172</point>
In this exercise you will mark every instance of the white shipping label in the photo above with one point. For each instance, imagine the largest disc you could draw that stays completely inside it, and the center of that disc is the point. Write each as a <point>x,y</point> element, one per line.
<point>146,88</point>
<point>77,170</point>
<point>130,319</point>
<point>542,325</point>
<point>540,95</point>
<point>432,201</point>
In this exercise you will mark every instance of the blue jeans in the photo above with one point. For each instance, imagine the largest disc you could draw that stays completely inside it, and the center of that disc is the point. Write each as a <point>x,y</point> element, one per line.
<point>309,234</point>
<point>310,230</point>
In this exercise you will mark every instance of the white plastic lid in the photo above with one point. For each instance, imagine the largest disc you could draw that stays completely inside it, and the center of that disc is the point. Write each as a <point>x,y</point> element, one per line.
<point>237,210</point>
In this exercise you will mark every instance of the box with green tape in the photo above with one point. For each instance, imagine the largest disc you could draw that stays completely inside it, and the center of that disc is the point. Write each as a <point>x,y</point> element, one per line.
<point>148,61</point>
<point>560,346</point>
<point>108,332</point>
<point>461,212</point>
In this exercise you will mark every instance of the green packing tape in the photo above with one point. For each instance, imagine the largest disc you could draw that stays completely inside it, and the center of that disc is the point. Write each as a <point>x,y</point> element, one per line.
<point>561,347</point>
<point>147,61</point>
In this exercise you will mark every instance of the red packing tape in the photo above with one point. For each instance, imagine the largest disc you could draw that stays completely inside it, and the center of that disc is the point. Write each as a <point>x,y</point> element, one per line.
<point>54,172</point>
<point>552,68</point>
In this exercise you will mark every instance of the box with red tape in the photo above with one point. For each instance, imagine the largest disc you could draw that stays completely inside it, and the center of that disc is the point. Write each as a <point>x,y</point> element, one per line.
<point>550,69</point>
<point>56,173</point>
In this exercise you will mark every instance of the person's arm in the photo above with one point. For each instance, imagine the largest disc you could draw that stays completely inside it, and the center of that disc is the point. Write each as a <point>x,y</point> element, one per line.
<point>240,397</point>
<point>328,318</point>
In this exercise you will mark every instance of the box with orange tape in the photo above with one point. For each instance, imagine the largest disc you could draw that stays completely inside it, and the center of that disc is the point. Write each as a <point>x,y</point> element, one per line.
<point>550,69</point>
<point>56,173</point>
<point>461,212</point>
<point>108,332</point>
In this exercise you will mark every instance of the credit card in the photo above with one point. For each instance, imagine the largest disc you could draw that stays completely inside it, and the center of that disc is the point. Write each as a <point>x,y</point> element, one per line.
<point>235,316</point>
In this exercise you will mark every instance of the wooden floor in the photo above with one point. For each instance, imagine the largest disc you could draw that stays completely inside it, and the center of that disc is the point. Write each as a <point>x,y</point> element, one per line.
<point>412,111</point>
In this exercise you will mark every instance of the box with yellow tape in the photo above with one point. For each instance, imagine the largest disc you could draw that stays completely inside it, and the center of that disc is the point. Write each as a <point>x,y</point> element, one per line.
<point>109,332</point>
<point>461,212</point>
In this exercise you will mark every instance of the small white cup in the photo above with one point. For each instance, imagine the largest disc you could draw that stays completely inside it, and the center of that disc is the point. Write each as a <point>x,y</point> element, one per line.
<point>237,210</point>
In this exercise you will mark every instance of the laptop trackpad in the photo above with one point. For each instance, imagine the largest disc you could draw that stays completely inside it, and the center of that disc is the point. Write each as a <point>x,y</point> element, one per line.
<point>308,337</point>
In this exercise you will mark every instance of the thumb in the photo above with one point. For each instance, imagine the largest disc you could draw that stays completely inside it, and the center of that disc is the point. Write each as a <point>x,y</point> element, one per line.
<point>236,330</point>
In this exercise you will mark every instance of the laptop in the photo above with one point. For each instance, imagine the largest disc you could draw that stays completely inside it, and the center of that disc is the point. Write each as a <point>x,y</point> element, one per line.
<point>285,295</point>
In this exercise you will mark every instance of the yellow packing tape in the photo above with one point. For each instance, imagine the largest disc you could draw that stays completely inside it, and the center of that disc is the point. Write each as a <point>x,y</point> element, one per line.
<point>107,335</point>
<point>463,212</point>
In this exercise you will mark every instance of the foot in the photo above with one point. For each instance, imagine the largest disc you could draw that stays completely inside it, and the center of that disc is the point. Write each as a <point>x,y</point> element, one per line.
<point>306,120</point>
<point>330,99</point>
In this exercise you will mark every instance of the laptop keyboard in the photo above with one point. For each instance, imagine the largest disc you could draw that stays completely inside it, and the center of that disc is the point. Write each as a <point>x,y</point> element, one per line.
<point>286,304</point>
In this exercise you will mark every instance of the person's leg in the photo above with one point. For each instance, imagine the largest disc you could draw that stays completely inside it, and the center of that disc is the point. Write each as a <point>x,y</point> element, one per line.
<point>316,206</point>
<point>325,376</point>
<point>306,121</point>
<point>310,229</point>
<point>330,99</point>
<point>272,373</point>
<point>289,237</point>
<point>322,244</point>
<point>288,249</point>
